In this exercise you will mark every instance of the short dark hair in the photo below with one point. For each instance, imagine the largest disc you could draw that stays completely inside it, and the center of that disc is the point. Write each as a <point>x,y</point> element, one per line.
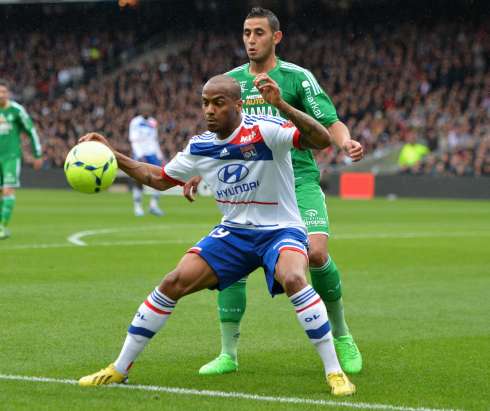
<point>4,83</point>
<point>271,17</point>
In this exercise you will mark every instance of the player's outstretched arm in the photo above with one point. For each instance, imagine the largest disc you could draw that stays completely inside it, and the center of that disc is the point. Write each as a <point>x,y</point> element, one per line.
<point>313,134</point>
<point>340,136</point>
<point>147,174</point>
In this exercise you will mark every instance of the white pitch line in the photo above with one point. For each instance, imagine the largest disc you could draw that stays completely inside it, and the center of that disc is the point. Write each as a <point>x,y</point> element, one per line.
<point>100,244</point>
<point>368,236</point>
<point>76,238</point>
<point>231,394</point>
<point>360,236</point>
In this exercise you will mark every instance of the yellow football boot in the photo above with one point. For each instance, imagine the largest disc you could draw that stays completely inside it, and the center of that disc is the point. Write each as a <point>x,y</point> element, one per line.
<point>105,376</point>
<point>340,384</point>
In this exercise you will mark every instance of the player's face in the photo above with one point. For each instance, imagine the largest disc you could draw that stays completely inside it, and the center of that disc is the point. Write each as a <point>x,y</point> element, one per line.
<point>4,95</point>
<point>220,110</point>
<point>258,38</point>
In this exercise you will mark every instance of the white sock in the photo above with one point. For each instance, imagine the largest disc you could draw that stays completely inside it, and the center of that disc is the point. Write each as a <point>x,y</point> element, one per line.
<point>154,200</point>
<point>313,317</point>
<point>137,194</point>
<point>149,319</point>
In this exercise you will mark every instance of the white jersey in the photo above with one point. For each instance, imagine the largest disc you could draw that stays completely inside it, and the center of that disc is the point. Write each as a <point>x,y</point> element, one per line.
<point>143,135</point>
<point>250,172</point>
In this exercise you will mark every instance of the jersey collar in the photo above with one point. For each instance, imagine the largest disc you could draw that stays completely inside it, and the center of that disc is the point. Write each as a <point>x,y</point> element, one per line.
<point>272,71</point>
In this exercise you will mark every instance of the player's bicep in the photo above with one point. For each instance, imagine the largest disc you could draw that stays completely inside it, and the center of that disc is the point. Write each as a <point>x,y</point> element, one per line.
<point>180,168</point>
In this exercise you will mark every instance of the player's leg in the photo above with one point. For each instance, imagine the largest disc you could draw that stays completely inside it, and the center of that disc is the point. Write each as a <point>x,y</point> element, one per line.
<point>191,274</point>
<point>10,181</point>
<point>231,307</point>
<point>3,235</point>
<point>137,192</point>
<point>325,276</point>
<point>312,315</point>
<point>154,204</point>
<point>155,196</point>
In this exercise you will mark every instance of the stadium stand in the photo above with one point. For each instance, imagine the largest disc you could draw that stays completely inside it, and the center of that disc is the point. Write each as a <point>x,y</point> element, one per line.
<point>430,81</point>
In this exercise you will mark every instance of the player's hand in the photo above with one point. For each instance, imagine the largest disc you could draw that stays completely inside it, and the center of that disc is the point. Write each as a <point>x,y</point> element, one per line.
<point>269,89</point>
<point>94,137</point>
<point>353,149</point>
<point>190,188</point>
<point>37,163</point>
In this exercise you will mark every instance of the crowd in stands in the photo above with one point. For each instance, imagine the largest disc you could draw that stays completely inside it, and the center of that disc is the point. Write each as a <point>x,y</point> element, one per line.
<point>428,84</point>
<point>38,65</point>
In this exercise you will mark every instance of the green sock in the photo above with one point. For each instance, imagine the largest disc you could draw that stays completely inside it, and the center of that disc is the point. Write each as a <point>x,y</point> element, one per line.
<point>1,207</point>
<point>230,333</point>
<point>8,204</point>
<point>231,306</point>
<point>326,282</point>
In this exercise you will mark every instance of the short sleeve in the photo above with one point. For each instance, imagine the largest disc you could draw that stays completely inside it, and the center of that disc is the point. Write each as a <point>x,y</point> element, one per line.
<point>315,101</point>
<point>280,135</point>
<point>180,168</point>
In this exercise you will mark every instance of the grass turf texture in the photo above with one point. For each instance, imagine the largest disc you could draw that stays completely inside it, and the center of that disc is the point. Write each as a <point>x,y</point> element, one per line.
<point>415,277</point>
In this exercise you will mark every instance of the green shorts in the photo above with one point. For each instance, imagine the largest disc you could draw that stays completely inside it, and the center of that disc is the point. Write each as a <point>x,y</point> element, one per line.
<point>10,172</point>
<point>312,207</point>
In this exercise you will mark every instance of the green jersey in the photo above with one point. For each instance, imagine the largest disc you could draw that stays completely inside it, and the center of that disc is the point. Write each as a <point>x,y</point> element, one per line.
<point>13,121</point>
<point>300,89</point>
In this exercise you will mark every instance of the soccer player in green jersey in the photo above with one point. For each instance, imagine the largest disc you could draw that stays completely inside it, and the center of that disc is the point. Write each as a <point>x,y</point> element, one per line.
<point>13,121</point>
<point>261,34</point>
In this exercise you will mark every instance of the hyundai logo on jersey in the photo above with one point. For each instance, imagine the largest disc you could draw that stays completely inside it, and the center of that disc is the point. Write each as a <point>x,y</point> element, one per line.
<point>232,173</point>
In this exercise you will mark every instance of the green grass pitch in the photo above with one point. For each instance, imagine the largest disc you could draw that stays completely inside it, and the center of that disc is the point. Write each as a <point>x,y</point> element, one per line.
<point>416,283</point>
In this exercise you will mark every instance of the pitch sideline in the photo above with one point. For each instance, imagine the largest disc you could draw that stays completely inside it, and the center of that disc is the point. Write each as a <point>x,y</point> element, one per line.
<point>228,394</point>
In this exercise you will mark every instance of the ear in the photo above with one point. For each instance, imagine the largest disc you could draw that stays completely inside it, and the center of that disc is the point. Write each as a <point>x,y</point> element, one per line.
<point>277,37</point>
<point>239,105</point>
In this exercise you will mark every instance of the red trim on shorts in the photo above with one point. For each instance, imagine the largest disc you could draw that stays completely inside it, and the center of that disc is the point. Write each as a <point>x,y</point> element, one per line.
<point>308,306</point>
<point>299,250</point>
<point>155,309</point>
<point>170,179</point>
<point>194,250</point>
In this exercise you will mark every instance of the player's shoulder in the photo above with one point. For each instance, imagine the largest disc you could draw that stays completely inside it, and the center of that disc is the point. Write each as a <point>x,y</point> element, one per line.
<point>302,75</point>
<point>205,137</point>
<point>258,119</point>
<point>237,71</point>
<point>135,119</point>
<point>17,106</point>
<point>267,125</point>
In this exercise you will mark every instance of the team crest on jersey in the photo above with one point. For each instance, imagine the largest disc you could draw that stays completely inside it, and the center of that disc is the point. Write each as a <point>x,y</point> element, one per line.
<point>249,151</point>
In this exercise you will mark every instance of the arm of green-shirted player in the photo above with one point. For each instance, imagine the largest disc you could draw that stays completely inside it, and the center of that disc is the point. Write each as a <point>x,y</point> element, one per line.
<point>30,130</point>
<point>319,105</point>
<point>340,136</point>
<point>313,134</point>
<point>147,174</point>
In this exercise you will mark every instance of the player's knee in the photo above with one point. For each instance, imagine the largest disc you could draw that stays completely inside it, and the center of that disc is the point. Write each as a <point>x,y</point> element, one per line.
<point>317,256</point>
<point>294,282</point>
<point>8,191</point>
<point>173,285</point>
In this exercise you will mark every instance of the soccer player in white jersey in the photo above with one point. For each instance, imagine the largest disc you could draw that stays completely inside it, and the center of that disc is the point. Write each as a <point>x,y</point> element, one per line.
<point>247,162</point>
<point>143,136</point>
